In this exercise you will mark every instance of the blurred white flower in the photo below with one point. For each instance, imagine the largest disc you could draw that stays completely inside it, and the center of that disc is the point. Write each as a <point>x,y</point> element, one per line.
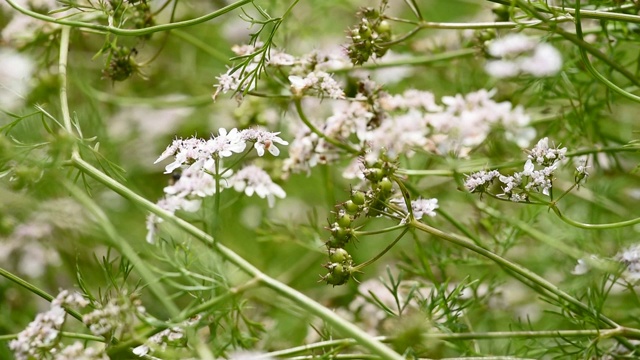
<point>519,54</point>
<point>630,257</point>
<point>16,71</point>
<point>253,180</point>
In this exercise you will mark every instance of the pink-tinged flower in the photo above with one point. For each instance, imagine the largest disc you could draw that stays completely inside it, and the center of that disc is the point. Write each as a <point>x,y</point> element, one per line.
<point>264,140</point>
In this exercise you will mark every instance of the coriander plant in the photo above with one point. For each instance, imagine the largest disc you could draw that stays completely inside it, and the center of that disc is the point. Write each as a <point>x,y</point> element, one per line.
<point>314,179</point>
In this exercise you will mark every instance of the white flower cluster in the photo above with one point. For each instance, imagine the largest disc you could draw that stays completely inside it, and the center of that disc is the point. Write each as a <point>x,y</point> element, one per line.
<point>173,336</point>
<point>160,340</point>
<point>197,158</point>
<point>42,336</point>
<point>237,80</point>
<point>630,257</point>
<point>519,54</point>
<point>403,124</point>
<point>16,72</point>
<point>420,207</point>
<point>317,80</point>
<point>516,187</point>
<point>114,315</point>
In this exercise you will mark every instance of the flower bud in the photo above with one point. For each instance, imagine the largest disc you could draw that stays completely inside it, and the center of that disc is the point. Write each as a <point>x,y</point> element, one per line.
<point>339,255</point>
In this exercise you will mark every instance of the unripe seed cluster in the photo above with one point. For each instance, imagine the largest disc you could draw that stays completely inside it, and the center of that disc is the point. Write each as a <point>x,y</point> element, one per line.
<point>370,36</point>
<point>371,202</point>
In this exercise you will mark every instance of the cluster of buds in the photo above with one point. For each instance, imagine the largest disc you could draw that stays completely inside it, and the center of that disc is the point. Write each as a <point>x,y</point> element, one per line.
<point>120,64</point>
<point>372,202</point>
<point>370,36</point>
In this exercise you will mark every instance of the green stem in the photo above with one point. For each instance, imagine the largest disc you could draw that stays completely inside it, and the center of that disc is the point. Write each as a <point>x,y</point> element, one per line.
<point>380,231</point>
<point>594,226</point>
<point>36,290</point>
<point>411,172</point>
<point>513,267</point>
<point>124,248</point>
<point>130,32</point>
<point>213,303</point>
<point>583,45</point>
<point>65,334</point>
<point>596,74</point>
<point>317,131</point>
<point>534,233</point>
<point>341,325</point>
<point>602,14</point>
<point>375,258</point>
<point>62,77</point>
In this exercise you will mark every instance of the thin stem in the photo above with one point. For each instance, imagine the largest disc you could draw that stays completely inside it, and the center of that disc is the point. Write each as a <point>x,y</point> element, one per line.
<point>380,231</point>
<point>185,315</point>
<point>581,43</point>
<point>317,131</point>
<point>601,14</point>
<point>594,226</point>
<point>65,334</point>
<point>375,258</point>
<point>151,280</point>
<point>341,325</point>
<point>534,233</point>
<point>596,74</point>
<point>36,290</point>
<point>412,172</point>
<point>62,77</point>
<point>130,32</point>
<point>513,267</point>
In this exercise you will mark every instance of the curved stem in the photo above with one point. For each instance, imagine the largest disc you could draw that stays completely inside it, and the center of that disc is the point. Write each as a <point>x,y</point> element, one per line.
<point>375,258</point>
<point>589,66</point>
<point>317,131</point>
<point>341,325</point>
<point>594,226</point>
<point>130,32</point>
<point>583,45</point>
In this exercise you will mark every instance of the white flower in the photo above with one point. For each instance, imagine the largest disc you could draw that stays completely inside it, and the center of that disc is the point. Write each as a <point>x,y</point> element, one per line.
<point>264,140</point>
<point>318,80</point>
<point>510,45</point>
<point>253,180</point>
<point>68,299</point>
<point>517,53</point>
<point>40,336</point>
<point>544,155</point>
<point>630,257</point>
<point>196,152</point>
<point>479,179</point>
<point>281,59</point>
<point>16,71</point>
<point>546,61</point>
<point>420,207</point>
<point>79,351</point>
